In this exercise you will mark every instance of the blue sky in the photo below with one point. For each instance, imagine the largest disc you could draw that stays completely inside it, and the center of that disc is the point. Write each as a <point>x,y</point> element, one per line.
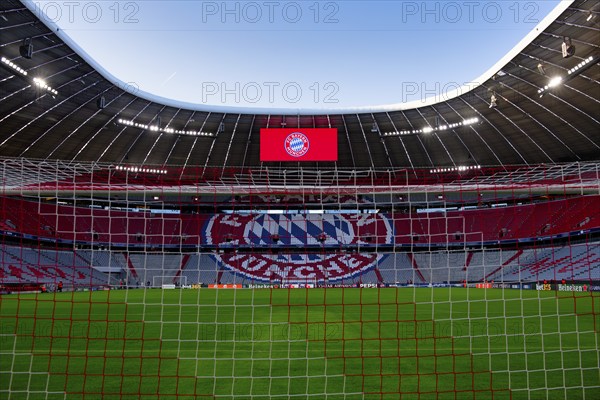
<point>297,54</point>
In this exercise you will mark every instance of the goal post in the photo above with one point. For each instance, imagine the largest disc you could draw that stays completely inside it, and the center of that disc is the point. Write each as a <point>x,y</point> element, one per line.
<point>168,281</point>
<point>301,283</point>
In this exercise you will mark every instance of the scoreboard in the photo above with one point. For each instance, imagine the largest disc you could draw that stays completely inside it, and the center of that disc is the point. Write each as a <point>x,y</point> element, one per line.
<point>298,144</point>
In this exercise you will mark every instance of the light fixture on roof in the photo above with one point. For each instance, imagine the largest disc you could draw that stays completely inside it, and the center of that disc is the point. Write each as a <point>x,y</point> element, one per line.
<point>567,47</point>
<point>573,72</point>
<point>26,49</point>
<point>374,128</point>
<point>554,82</point>
<point>429,129</point>
<point>493,101</point>
<point>13,66</point>
<point>590,15</point>
<point>542,91</point>
<point>101,103</point>
<point>397,133</point>
<point>143,170</point>
<point>221,127</point>
<point>581,65</point>
<point>541,69</point>
<point>461,168</point>
<point>39,82</point>
<point>157,128</point>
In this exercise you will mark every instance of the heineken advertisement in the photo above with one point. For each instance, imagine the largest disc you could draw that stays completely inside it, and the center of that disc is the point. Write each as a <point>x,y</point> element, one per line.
<point>573,288</point>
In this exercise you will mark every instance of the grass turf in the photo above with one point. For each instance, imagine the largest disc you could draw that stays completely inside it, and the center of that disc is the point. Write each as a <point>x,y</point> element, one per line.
<point>334,344</point>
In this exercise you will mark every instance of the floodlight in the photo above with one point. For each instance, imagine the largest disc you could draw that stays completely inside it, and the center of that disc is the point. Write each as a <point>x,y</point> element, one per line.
<point>555,81</point>
<point>40,82</point>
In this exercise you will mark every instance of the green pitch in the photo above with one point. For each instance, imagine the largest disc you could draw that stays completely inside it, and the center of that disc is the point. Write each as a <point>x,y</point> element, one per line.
<point>321,344</point>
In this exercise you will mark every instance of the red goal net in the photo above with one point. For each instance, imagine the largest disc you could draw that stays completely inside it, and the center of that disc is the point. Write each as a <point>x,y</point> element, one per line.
<point>140,281</point>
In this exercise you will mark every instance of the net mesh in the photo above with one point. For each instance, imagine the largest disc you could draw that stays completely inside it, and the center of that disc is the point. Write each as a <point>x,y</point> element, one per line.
<point>336,284</point>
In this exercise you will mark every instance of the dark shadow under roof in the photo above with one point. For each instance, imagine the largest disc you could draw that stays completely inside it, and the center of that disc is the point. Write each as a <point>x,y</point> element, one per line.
<point>523,128</point>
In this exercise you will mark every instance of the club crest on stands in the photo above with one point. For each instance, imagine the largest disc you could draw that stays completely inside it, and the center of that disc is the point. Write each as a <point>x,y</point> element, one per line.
<point>298,230</point>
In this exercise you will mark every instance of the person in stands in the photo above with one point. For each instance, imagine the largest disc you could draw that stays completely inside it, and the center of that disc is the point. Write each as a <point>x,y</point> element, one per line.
<point>59,287</point>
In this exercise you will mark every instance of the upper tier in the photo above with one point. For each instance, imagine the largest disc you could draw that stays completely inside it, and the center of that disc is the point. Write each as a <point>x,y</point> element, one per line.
<point>68,225</point>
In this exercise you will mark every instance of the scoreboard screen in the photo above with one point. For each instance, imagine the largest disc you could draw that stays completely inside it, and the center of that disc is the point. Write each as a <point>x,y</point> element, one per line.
<point>298,144</point>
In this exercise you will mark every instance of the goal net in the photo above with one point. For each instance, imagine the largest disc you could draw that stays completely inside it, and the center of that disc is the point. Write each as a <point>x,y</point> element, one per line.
<point>371,284</point>
<point>169,281</point>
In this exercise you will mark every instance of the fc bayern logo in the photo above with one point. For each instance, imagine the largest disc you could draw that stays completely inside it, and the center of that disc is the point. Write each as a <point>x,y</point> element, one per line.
<point>296,144</point>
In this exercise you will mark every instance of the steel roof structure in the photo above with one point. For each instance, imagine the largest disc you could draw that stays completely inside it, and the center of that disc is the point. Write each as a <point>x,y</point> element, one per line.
<point>530,123</point>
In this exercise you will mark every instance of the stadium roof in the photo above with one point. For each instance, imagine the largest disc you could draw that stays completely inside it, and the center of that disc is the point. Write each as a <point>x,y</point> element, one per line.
<point>527,123</point>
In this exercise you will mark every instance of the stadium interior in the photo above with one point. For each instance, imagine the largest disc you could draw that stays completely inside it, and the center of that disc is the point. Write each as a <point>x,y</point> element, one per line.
<point>104,187</point>
<point>102,170</point>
